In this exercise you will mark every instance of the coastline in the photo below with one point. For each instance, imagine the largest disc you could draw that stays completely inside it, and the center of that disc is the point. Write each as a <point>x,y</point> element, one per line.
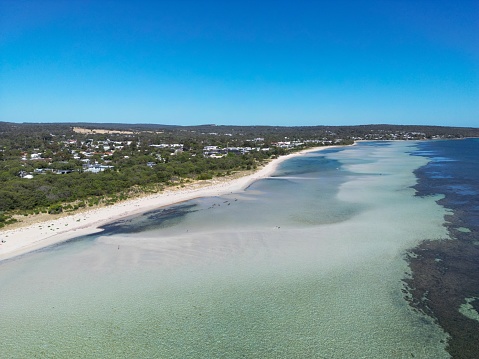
<point>31,237</point>
<point>187,267</point>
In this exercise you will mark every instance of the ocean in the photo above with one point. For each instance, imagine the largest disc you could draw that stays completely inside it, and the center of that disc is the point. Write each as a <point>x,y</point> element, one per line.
<point>336,255</point>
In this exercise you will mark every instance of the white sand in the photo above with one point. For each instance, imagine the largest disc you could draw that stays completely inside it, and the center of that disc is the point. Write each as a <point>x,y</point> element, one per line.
<point>25,239</point>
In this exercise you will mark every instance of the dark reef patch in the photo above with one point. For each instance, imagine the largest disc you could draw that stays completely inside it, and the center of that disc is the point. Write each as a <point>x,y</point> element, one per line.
<point>446,272</point>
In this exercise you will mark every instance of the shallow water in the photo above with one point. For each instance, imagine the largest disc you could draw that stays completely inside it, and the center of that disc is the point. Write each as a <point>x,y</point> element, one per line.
<point>306,264</point>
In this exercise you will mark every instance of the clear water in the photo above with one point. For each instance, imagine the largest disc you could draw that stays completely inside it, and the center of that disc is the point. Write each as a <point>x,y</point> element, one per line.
<point>306,264</point>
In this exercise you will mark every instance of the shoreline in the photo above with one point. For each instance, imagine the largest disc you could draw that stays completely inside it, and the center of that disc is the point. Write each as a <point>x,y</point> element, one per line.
<point>35,236</point>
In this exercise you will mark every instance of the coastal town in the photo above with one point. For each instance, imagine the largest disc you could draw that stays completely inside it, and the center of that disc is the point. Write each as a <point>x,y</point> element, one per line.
<point>67,149</point>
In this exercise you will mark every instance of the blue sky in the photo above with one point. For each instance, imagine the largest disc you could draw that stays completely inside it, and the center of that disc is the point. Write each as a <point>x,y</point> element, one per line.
<point>240,62</point>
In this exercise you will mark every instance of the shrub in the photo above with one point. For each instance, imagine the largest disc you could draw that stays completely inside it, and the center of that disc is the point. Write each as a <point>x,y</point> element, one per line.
<point>55,209</point>
<point>205,176</point>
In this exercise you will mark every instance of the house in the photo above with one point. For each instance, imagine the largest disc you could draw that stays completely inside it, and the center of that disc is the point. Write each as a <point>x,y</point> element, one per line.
<point>96,168</point>
<point>63,172</point>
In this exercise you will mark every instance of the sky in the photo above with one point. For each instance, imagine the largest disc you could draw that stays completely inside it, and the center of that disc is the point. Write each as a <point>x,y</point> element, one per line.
<point>292,63</point>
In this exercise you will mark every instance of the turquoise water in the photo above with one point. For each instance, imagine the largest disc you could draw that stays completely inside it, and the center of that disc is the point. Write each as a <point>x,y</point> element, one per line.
<point>306,264</point>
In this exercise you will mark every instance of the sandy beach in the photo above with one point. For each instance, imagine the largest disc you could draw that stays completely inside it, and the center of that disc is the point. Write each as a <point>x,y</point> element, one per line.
<point>31,237</point>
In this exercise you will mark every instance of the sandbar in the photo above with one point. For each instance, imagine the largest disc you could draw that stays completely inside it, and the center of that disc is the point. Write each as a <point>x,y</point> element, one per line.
<point>31,237</point>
